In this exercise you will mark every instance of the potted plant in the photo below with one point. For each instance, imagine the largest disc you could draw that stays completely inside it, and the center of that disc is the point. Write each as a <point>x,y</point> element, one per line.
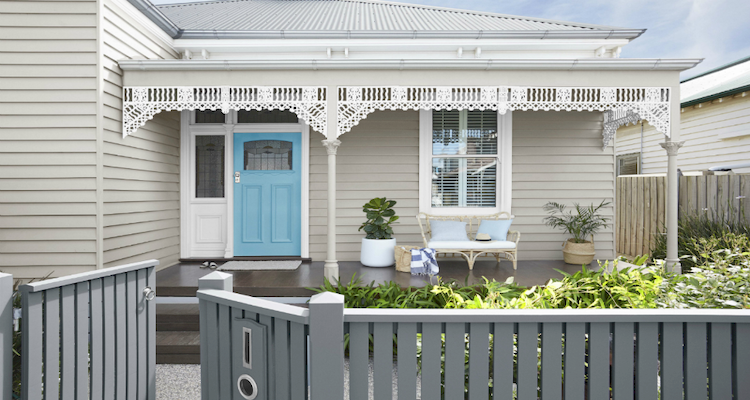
<point>378,245</point>
<point>582,224</point>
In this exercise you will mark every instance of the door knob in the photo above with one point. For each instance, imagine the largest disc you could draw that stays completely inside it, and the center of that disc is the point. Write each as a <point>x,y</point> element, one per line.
<point>237,177</point>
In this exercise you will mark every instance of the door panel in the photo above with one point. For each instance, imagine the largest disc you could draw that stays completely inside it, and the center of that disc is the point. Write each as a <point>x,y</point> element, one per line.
<point>268,198</point>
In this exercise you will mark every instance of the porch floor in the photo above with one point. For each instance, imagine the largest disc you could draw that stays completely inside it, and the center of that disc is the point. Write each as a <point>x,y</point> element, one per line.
<point>182,279</point>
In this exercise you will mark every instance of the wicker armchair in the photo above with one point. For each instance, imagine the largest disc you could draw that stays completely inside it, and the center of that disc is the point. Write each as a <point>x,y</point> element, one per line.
<point>472,249</point>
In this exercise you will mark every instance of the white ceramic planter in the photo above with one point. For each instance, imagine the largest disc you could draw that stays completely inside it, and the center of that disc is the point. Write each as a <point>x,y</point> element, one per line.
<point>377,252</point>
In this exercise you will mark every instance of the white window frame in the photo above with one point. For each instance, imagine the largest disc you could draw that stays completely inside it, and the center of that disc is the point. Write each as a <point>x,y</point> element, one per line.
<point>504,173</point>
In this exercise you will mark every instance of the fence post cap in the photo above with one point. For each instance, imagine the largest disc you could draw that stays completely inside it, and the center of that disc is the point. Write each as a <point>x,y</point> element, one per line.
<point>216,280</point>
<point>327,298</point>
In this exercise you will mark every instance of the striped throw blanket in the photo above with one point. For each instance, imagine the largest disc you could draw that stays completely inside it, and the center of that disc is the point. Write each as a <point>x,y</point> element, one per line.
<point>423,262</point>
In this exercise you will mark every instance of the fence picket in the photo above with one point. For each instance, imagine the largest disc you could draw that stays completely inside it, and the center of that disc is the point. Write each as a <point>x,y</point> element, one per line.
<point>639,218</point>
<point>575,361</point>
<point>633,211</point>
<point>132,313</point>
<point>268,322</point>
<point>454,360</point>
<point>622,363</point>
<point>527,380</point>
<point>479,361</point>
<point>52,344</point>
<point>646,216</point>
<point>741,361</point>
<point>298,361</point>
<point>720,358</point>
<point>431,352</point>
<point>150,306</point>
<point>712,192</point>
<point>551,361</point>
<point>502,359</point>
<point>32,345</point>
<point>407,360</point>
<point>696,361</point>
<point>121,330</point>
<point>647,354</point>
<point>382,360</point>
<point>671,361</point>
<point>97,339</point>
<point>142,335</point>
<point>67,342</point>
<point>281,339</point>
<point>226,384</point>
<point>359,354</point>
<point>212,362</point>
<point>6,335</point>
<point>598,360</point>
<point>108,313</point>
<point>82,340</point>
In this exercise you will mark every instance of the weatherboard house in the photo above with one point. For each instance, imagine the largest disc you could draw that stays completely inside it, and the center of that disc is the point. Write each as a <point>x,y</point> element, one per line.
<point>260,127</point>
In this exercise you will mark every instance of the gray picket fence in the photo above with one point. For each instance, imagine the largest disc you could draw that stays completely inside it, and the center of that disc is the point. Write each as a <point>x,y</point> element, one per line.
<point>6,336</point>
<point>262,350</point>
<point>90,335</point>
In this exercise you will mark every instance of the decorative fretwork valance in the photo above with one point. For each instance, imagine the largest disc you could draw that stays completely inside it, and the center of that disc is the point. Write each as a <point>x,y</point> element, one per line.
<point>140,104</point>
<point>357,102</point>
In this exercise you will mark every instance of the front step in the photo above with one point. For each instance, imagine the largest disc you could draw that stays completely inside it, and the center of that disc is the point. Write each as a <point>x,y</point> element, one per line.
<point>178,334</point>
<point>178,347</point>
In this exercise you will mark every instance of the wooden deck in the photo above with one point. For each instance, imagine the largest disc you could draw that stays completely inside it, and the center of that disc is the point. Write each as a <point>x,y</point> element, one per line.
<point>182,279</point>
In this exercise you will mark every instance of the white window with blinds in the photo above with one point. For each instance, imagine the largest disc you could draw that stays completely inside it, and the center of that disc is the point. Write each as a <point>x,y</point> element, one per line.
<point>464,162</point>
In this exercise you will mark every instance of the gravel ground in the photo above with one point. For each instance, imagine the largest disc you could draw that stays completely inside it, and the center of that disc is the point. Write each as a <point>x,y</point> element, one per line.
<point>183,382</point>
<point>178,382</point>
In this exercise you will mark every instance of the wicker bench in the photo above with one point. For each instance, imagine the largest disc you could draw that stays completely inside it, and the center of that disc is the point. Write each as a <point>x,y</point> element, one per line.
<point>471,249</point>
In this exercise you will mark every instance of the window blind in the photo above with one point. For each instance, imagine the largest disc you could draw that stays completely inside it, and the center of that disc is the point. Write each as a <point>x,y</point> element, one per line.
<point>465,158</point>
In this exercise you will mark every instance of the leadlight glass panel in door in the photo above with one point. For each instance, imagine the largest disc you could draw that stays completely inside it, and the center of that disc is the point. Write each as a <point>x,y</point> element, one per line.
<point>268,155</point>
<point>209,166</point>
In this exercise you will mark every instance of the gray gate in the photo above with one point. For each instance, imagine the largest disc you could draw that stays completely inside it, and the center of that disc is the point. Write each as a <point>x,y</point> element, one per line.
<point>91,335</point>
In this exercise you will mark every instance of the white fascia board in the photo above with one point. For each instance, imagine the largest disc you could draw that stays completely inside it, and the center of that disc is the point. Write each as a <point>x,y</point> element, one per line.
<point>458,64</point>
<point>395,45</point>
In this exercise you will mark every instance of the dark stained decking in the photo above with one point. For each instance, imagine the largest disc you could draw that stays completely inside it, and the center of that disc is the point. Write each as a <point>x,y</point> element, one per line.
<point>182,279</point>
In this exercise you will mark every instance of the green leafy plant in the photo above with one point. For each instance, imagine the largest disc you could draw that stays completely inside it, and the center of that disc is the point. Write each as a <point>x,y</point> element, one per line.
<point>380,216</point>
<point>585,222</point>
<point>716,226</point>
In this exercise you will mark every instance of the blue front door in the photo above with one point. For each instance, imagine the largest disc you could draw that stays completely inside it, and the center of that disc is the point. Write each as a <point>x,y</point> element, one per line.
<point>267,194</point>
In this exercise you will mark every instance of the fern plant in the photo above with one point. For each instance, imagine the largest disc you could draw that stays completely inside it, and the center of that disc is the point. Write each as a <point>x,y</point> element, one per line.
<point>583,223</point>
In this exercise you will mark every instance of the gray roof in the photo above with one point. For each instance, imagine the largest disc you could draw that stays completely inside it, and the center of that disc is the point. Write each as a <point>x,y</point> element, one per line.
<point>349,15</point>
<point>720,89</point>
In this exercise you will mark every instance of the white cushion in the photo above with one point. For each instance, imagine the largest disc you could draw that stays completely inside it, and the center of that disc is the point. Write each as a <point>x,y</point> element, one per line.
<point>471,245</point>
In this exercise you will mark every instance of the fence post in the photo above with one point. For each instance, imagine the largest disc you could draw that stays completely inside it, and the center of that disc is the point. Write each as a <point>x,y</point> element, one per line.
<point>214,281</point>
<point>327,346</point>
<point>6,335</point>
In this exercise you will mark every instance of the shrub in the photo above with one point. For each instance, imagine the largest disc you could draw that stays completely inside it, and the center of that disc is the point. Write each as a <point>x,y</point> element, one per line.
<point>694,226</point>
<point>721,279</point>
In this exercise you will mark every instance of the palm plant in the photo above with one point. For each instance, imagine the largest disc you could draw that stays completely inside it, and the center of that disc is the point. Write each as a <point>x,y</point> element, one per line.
<point>583,223</point>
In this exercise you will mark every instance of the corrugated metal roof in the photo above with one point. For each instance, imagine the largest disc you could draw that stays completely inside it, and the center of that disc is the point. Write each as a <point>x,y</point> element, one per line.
<point>354,15</point>
<point>720,82</point>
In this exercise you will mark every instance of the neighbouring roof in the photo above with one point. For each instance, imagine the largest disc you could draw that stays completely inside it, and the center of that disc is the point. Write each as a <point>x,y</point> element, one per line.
<point>356,18</point>
<point>719,82</point>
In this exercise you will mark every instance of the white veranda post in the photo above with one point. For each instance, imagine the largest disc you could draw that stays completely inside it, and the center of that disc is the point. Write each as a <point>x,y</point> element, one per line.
<point>331,269</point>
<point>673,203</point>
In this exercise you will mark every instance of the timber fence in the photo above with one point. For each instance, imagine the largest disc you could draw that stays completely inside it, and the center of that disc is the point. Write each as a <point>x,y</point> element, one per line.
<point>255,349</point>
<point>89,335</point>
<point>641,205</point>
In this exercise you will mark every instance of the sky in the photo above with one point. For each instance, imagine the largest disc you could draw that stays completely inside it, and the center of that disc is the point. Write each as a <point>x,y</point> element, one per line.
<point>716,30</point>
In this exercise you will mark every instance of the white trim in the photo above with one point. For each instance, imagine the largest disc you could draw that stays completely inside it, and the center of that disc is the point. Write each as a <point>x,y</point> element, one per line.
<point>187,179</point>
<point>504,175</point>
<point>622,64</point>
<point>147,23</point>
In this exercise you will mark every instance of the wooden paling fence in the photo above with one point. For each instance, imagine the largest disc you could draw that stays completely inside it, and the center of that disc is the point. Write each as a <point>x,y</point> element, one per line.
<point>641,205</point>
<point>261,350</point>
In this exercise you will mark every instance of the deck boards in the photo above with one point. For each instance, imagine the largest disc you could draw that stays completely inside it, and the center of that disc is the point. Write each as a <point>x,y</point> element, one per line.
<point>182,279</point>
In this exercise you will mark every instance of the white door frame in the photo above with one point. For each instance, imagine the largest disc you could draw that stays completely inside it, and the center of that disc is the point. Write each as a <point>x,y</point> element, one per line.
<point>187,178</point>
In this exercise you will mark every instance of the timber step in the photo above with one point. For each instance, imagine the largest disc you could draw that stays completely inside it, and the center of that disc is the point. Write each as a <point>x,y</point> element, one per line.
<point>177,317</point>
<point>178,347</point>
